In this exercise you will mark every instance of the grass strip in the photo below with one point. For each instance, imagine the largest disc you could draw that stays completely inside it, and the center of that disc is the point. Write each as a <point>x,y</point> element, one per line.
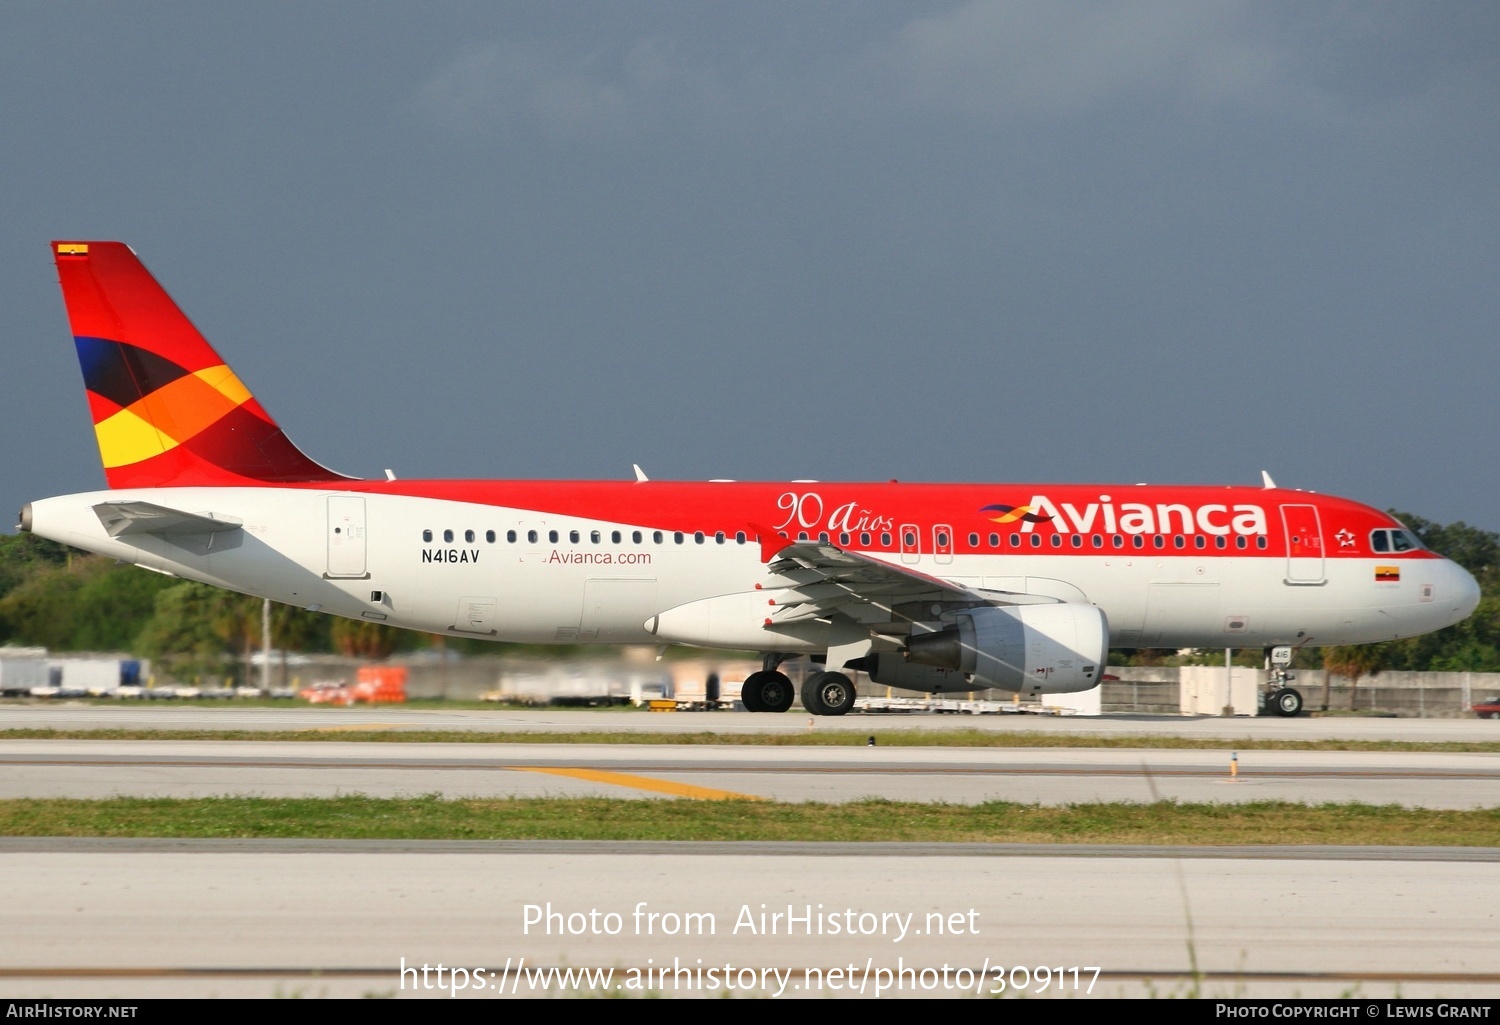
<point>842,738</point>
<point>435,818</point>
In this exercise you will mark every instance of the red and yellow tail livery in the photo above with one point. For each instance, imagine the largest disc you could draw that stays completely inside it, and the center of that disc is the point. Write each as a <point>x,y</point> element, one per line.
<point>167,411</point>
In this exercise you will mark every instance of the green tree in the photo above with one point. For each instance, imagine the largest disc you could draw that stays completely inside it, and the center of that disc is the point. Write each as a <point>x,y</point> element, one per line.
<point>196,627</point>
<point>1351,661</point>
<point>87,604</point>
<point>365,639</point>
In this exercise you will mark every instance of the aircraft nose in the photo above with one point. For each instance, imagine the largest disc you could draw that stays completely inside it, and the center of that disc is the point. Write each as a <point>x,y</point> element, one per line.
<point>1465,591</point>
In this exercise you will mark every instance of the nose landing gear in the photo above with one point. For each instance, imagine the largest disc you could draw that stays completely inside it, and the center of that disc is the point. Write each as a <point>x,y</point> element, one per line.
<point>1284,701</point>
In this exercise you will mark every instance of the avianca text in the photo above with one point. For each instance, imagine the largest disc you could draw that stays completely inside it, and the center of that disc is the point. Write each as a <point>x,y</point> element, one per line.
<point>1105,517</point>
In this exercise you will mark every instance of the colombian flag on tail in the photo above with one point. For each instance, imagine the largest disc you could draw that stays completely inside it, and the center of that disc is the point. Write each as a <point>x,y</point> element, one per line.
<point>167,410</point>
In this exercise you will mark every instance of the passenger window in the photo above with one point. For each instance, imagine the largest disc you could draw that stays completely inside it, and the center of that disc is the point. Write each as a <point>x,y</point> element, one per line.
<point>1138,541</point>
<point>448,536</point>
<point>973,540</point>
<point>885,539</point>
<point>573,536</point>
<point>1056,540</point>
<point>1240,542</point>
<point>510,536</point>
<point>1015,540</point>
<point>1036,540</point>
<point>697,537</point>
<point>844,538</point>
<point>531,536</point>
<point>1221,542</point>
<point>909,539</point>
<point>823,536</point>
<point>1119,541</point>
<point>489,536</point>
<point>677,537</point>
<point>469,536</point>
<point>1260,542</point>
<point>1098,540</point>
<point>1077,541</point>
<point>864,539</point>
<point>427,536</point>
<point>614,537</point>
<point>942,539</point>
<point>1178,541</point>
<point>1159,541</point>
<point>595,537</point>
<point>994,540</point>
<point>739,537</point>
<point>552,536</point>
<point>718,537</point>
<point>635,536</point>
<point>801,535</point>
<point>656,536</point>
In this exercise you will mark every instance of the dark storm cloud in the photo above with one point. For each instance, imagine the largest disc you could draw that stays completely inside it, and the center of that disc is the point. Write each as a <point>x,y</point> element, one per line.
<point>933,241</point>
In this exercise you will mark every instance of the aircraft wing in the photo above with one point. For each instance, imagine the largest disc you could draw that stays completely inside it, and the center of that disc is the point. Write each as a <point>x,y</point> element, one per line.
<point>828,581</point>
<point>122,518</point>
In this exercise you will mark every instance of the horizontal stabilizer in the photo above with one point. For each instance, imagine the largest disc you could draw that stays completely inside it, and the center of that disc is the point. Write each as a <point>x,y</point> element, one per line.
<point>122,518</point>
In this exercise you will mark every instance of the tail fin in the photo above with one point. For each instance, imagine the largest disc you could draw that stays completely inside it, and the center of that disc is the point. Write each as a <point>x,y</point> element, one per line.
<point>167,410</point>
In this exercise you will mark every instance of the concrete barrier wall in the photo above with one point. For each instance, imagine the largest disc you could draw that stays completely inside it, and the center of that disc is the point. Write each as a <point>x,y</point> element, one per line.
<point>1158,690</point>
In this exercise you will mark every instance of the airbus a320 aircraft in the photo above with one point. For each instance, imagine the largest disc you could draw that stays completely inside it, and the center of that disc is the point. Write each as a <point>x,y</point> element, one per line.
<point>930,587</point>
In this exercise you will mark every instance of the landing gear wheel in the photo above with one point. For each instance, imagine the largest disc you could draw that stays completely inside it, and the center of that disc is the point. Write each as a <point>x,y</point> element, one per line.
<point>810,699</point>
<point>750,694</point>
<point>766,691</point>
<point>1286,702</point>
<point>828,694</point>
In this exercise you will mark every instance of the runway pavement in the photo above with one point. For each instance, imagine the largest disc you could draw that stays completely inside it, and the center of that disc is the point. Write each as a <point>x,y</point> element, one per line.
<point>227,716</point>
<point>339,918</point>
<point>141,918</point>
<point>96,769</point>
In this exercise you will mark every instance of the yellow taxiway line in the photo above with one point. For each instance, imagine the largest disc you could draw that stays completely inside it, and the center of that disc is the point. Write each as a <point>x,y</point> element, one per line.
<point>625,779</point>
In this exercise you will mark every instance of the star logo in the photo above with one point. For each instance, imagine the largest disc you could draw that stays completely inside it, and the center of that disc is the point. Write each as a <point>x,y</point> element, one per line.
<point>1345,539</point>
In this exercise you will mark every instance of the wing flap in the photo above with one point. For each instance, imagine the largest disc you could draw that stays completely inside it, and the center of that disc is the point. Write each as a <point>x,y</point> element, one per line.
<point>825,580</point>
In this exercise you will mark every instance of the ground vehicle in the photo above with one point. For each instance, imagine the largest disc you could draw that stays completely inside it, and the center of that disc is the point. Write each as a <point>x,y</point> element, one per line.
<point>1489,708</point>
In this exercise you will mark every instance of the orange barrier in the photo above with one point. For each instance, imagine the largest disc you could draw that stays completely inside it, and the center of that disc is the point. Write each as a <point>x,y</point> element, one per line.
<point>380,685</point>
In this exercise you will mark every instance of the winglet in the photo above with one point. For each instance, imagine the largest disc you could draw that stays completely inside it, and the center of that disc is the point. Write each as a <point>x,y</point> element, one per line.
<point>640,475</point>
<point>772,544</point>
<point>1266,480</point>
<point>166,409</point>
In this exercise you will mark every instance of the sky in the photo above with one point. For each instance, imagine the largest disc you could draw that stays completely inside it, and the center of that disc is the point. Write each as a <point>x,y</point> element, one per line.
<point>968,240</point>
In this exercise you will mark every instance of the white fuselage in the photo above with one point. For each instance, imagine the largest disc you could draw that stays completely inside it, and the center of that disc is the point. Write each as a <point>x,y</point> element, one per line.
<point>364,556</point>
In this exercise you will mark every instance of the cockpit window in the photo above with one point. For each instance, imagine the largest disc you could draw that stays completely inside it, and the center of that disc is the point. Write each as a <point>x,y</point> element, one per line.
<point>1390,540</point>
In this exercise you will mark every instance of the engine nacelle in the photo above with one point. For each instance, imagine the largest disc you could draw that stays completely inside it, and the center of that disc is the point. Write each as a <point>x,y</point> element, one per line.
<point>1027,649</point>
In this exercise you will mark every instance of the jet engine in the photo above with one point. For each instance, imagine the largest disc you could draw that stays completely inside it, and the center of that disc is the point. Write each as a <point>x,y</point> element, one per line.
<point>1029,649</point>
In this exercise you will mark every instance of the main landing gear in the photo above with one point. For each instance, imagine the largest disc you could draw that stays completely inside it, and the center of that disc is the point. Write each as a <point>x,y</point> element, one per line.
<point>770,690</point>
<point>828,694</point>
<point>767,691</point>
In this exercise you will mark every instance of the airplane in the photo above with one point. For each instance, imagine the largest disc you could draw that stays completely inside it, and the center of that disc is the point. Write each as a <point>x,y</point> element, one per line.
<point>938,588</point>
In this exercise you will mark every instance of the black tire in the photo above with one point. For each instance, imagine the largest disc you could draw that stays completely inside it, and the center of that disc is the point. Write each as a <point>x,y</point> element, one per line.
<point>750,692</point>
<point>810,699</point>
<point>1495,715</point>
<point>776,691</point>
<point>1288,702</point>
<point>835,693</point>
